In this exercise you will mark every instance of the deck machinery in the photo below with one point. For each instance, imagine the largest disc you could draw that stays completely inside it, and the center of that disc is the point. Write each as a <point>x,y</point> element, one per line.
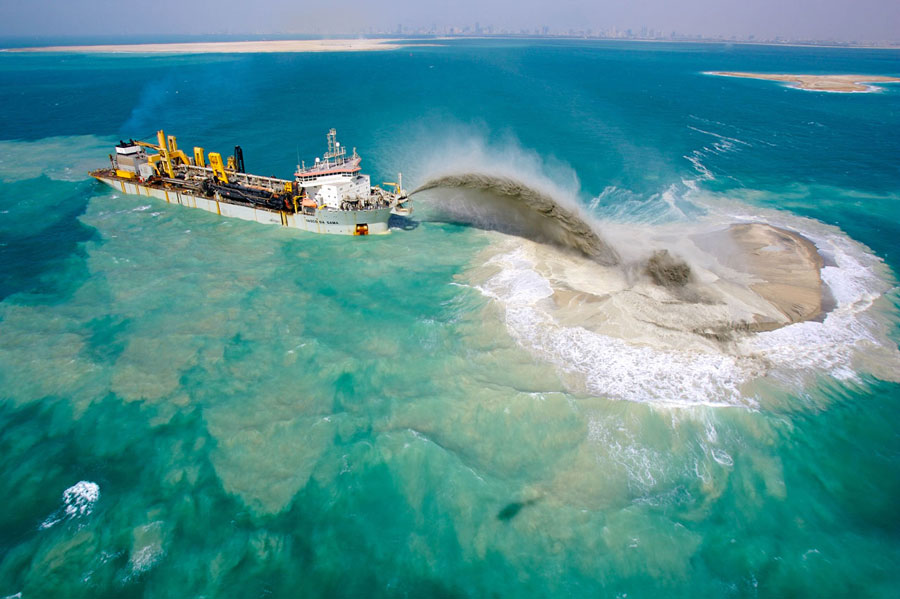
<point>331,196</point>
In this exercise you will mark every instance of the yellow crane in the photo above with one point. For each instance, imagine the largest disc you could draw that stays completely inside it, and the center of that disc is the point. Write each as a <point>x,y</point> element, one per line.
<point>167,153</point>
<point>218,168</point>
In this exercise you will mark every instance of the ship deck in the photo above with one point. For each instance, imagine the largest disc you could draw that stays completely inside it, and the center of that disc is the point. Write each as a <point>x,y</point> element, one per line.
<point>181,186</point>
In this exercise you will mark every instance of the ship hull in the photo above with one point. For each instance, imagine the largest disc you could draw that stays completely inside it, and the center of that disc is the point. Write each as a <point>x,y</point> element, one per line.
<point>334,222</point>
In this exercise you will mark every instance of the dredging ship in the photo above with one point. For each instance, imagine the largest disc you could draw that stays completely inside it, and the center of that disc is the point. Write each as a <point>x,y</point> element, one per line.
<point>330,196</point>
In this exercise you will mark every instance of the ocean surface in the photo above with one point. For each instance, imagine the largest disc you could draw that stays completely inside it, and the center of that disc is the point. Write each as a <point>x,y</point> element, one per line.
<point>192,406</point>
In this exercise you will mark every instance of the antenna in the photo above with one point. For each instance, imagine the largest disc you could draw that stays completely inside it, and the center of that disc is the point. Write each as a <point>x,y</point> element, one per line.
<point>334,147</point>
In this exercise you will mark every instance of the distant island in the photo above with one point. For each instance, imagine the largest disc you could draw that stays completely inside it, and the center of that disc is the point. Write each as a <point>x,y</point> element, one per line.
<point>324,45</point>
<point>408,36</point>
<point>821,83</point>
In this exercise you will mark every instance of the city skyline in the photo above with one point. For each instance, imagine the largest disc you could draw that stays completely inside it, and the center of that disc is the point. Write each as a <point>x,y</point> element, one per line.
<point>839,21</point>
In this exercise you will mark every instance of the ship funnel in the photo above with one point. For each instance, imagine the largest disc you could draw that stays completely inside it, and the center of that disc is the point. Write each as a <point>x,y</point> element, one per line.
<point>239,159</point>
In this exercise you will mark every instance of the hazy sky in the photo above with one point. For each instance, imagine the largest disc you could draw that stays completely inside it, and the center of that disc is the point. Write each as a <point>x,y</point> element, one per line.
<point>863,20</point>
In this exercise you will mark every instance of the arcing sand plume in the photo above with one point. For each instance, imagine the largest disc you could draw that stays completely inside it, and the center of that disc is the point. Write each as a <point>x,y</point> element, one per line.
<point>504,204</point>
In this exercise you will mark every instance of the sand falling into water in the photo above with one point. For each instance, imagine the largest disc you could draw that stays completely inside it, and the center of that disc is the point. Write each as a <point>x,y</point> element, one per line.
<point>508,205</point>
<point>687,318</point>
<point>783,264</point>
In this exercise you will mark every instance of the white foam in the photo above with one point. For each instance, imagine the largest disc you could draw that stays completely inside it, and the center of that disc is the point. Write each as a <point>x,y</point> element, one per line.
<point>80,498</point>
<point>147,547</point>
<point>831,345</point>
<point>694,158</point>
<point>643,466</point>
<point>517,283</point>
<point>728,142</point>
<point>855,281</point>
<point>721,456</point>
<point>628,369</point>
<point>612,367</point>
<point>616,204</point>
<point>78,501</point>
<point>144,558</point>
<point>670,199</point>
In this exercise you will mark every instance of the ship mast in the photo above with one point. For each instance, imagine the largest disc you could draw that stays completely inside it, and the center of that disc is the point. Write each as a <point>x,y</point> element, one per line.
<point>335,150</point>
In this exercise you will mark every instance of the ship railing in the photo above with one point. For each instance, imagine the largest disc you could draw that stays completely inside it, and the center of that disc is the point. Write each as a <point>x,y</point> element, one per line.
<point>306,175</point>
<point>347,164</point>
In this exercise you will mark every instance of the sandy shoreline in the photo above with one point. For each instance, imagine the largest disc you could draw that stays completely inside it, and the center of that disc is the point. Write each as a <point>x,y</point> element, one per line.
<point>824,83</point>
<point>331,45</point>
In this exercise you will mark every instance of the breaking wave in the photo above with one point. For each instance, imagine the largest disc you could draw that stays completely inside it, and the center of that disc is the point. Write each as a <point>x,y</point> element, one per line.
<point>78,501</point>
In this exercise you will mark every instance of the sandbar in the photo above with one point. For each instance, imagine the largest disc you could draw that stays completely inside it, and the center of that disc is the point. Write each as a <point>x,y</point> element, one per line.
<point>325,45</point>
<point>822,83</point>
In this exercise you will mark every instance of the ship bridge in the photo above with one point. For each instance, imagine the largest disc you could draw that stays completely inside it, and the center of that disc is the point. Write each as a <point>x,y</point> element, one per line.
<point>333,166</point>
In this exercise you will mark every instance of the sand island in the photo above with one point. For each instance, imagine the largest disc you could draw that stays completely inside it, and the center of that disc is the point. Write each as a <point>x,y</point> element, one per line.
<point>324,45</point>
<point>822,83</point>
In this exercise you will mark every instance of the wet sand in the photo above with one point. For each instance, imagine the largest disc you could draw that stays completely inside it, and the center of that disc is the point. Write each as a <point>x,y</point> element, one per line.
<point>332,45</point>
<point>824,83</point>
<point>785,268</point>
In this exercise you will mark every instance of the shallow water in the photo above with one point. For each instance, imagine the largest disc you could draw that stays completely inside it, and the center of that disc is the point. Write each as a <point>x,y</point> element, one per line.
<point>196,406</point>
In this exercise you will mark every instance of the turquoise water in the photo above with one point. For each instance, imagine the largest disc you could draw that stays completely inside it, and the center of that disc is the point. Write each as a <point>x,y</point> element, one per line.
<point>199,407</point>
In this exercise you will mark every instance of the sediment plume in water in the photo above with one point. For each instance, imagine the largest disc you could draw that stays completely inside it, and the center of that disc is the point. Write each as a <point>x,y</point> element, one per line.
<point>504,204</point>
